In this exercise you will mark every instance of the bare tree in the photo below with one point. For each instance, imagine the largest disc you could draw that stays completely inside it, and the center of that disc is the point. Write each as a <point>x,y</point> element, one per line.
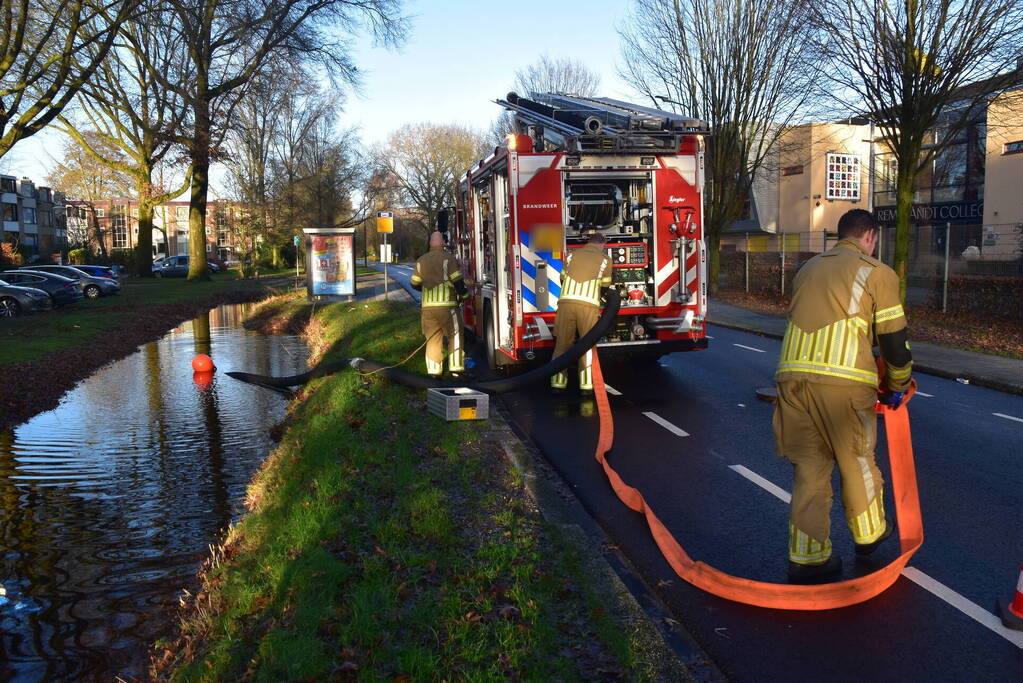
<point>133,113</point>
<point>741,66</point>
<point>41,64</point>
<point>923,71</point>
<point>229,42</point>
<point>425,161</point>
<point>547,74</point>
<point>82,177</point>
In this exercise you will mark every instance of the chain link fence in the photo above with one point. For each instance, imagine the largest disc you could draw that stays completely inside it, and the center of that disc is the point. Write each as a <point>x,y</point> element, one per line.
<point>954,268</point>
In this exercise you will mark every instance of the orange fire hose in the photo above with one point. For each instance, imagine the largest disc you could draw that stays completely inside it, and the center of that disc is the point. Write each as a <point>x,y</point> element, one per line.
<point>776,595</point>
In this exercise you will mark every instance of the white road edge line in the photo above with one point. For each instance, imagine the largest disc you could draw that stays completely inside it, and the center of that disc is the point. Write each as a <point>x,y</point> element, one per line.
<point>667,425</point>
<point>933,586</point>
<point>611,390</point>
<point>970,609</point>
<point>1008,417</point>
<point>743,346</point>
<point>920,393</point>
<point>768,486</point>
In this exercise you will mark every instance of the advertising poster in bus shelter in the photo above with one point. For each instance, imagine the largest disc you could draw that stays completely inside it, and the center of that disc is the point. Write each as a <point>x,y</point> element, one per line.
<point>330,255</point>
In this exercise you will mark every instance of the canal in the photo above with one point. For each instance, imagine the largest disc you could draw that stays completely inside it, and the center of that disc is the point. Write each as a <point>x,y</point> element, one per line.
<point>108,503</point>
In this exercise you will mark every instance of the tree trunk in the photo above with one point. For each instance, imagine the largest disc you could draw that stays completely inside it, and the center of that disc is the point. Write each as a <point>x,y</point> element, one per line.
<point>144,246</point>
<point>200,154</point>
<point>903,209</point>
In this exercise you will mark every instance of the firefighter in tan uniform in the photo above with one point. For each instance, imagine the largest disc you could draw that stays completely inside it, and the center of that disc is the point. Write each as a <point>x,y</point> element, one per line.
<point>587,270</point>
<point>843,302</point>
<point>437,276</point>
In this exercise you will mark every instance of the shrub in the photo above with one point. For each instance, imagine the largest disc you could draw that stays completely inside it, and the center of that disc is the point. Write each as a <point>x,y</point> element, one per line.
<point>10,255</point>
<point>997,296</point>
<point>79,257</point>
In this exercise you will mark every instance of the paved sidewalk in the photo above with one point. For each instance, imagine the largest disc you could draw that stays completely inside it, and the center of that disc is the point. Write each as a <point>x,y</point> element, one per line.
<point>994,372</point>
<point>371,288</point>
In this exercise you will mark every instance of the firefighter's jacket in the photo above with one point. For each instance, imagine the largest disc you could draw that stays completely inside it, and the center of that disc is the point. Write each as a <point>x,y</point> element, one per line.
<point>436,273</point>
<point>843,302</point>
<point>587,271</point>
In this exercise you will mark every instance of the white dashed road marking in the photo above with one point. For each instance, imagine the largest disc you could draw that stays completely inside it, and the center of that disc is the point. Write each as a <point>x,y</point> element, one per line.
<point>611,390</point>
<point>933,586</point>
<point>749,348</point>
<point>667,425</point>
<point>970,609</point>
<point>1008,417</point>
<point>768,486</point>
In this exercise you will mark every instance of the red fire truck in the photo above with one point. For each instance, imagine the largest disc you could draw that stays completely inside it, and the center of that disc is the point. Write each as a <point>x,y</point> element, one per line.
<point>577,165</point>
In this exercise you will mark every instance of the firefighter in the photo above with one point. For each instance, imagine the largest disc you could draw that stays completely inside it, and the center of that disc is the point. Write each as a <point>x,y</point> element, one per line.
<point>843,302</point>
<point>587,270</point>
<point>437,276</point>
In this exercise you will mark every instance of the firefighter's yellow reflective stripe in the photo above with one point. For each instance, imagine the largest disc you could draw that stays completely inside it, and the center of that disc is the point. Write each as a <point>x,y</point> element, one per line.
<point>857,289</point>
<point>868,526</point>
<point>559,380</point>
<point>900,373</point>
<point>588,291</point>
<point>889,314</point>
<point>585,375</point>
<point>806,550</point>
<point>455,275</point>
<point>831,350</point>
<point>456,357</point>
<point>441,295</point>
<point>434,367</point>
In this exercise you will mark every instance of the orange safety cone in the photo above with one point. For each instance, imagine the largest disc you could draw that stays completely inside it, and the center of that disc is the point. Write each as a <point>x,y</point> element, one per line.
<point>1012,614</point>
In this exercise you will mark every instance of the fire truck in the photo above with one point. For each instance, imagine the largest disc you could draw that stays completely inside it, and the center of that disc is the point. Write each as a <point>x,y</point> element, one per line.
<point>575,165</point>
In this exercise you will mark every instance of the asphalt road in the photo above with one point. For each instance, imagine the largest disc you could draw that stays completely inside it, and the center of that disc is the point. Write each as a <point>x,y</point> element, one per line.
<point>691,435</point>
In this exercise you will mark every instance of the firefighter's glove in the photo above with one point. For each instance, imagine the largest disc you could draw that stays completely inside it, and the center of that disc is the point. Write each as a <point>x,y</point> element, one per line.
<point>892,399</point>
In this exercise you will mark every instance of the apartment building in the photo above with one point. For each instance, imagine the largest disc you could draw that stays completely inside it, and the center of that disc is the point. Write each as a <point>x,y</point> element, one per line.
<point>33,217</point>
<point>112,225</point>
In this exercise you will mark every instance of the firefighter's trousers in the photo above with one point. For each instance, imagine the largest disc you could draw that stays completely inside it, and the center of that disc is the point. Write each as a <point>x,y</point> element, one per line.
<point>440,322</point>
<point>573,321</point>
<point>815,426</point>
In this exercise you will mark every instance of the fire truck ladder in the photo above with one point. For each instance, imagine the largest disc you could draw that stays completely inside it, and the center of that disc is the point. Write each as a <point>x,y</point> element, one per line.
<point>598,124</point>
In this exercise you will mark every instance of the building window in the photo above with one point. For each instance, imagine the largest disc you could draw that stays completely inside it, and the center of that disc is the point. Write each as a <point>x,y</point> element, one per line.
<point>792,170</point>
<point>182,213</point>
<point>7,184</point>
<point>221,239</point>
<point>1015,147</point>
<point>29,214</point>
<point>120,233</point>
<point>10,212</point>
<point>100,213</point>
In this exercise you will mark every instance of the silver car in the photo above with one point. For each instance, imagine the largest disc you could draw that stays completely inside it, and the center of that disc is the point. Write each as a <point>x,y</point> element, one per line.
<point>15,301</point>
<point>92,287</point>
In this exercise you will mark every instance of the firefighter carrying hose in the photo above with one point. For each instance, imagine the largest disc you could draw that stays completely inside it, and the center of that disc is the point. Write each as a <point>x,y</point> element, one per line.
<point>438,278</point>
<point>587,270</point>
<point>843,302</point>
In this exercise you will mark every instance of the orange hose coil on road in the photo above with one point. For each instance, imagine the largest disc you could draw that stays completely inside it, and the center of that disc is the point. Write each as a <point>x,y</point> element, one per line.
<point>778,595</point>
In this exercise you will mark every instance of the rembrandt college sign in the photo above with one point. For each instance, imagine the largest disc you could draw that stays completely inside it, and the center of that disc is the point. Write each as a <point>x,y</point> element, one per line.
<point>948,212</point>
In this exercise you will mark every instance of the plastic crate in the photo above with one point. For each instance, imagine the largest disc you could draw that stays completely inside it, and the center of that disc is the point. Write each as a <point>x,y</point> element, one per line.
<point>460,403</point>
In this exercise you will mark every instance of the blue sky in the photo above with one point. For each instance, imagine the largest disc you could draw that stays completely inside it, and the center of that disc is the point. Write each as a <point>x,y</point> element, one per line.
<point>458,56</point>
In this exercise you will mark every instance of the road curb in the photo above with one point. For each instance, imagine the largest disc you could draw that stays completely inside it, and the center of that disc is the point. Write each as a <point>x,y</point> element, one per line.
<point>676,655</point>
<point>976,380</point>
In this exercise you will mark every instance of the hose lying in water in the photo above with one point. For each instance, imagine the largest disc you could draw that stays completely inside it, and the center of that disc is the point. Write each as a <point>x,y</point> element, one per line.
<point>497,386</point>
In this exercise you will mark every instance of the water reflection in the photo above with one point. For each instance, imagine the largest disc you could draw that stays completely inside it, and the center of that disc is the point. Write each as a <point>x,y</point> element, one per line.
<point>107,503</point>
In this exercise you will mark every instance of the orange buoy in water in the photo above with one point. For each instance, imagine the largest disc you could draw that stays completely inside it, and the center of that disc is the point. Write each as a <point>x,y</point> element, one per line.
<point>203,380</point>
<point>203,363</point>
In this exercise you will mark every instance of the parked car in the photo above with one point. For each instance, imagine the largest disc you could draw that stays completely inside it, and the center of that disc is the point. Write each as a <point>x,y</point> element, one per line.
<point>99,271</point>
<point>15,300</point>
<point>176,266</point>
<point>92,286</point>
<point>62,290</point>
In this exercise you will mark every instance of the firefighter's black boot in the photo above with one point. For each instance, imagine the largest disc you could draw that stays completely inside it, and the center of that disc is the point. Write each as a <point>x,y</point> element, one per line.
<point>864,549</point>
<point>814,573</point>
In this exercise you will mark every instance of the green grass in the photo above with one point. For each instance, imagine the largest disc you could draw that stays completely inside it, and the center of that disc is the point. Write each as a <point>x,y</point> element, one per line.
<point>384,543</point>
<point>31,337</point>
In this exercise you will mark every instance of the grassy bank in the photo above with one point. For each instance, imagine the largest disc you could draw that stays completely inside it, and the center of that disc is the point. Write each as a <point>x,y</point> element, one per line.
<point>384,543</point>
<point>89,321</point>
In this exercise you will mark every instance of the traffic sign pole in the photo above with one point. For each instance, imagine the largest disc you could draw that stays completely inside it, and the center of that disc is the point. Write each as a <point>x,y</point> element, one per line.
<point>385,225</point>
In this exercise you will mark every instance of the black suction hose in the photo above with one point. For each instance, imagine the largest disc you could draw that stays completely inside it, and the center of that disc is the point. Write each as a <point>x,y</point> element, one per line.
<point>497,386</point>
